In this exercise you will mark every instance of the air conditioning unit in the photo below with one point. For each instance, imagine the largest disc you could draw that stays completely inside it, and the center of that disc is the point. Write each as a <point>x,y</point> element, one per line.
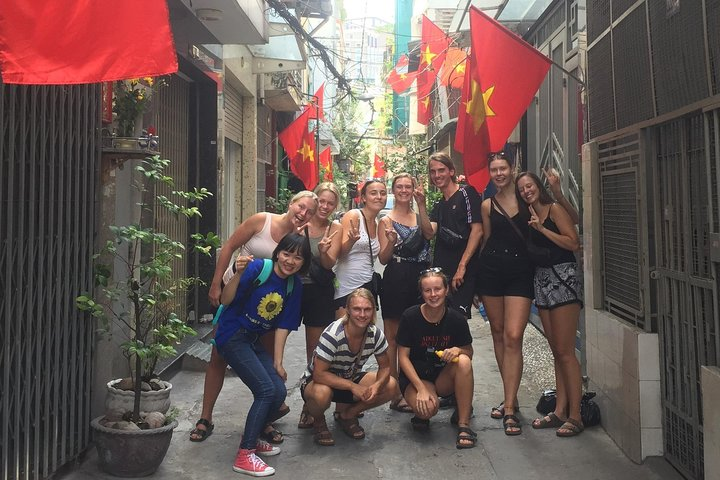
<point>314,8</point>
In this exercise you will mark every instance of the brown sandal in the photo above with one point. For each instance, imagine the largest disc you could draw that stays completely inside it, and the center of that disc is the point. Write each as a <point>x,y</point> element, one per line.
<point>351,427</point>
<point>572,428</point>
<point>548,421</point>
<point>322,435</point>
<point>306,420</point>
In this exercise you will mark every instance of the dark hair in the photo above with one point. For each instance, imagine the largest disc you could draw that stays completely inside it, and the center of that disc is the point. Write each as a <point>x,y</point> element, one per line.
<point>295,243</point>
<point>544,196</point>
<point>372,180</point>
<point>445,159</point>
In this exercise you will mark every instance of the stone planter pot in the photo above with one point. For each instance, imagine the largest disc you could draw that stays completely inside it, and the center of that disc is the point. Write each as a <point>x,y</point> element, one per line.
<point>123,400</point>
<point>131,453</point>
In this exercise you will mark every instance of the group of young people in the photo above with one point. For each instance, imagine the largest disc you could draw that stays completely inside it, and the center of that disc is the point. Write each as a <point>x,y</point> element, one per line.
<point>301,266</point>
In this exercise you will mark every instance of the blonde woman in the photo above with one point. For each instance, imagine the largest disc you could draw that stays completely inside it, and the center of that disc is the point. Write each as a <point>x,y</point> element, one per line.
<point>317,310</point>
<point>256,237</point>
<point>336,374</point>
<point>405,260</point>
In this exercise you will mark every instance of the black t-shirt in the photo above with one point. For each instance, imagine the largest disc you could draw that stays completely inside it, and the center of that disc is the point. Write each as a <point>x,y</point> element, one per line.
<point>425,338</point>
<point>455,213</point>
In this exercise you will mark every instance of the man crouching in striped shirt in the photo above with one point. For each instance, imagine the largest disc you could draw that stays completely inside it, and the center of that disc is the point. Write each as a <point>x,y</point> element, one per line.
<point>335,371</point>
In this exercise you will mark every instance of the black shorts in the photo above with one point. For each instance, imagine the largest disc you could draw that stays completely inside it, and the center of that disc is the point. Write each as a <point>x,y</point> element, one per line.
<point>430,376</point>
<point>316,307</point>
<point>339,396</point>
<point>505,275</point>
<point>461,299</point>
<point>400,289</point>
<point>342,301</point>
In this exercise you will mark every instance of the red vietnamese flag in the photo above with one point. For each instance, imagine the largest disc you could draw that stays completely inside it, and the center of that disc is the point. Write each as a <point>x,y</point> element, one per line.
<point>501,78</point>
<point>453,70</point>
<point>50,42</point>
<point>399,78</point>
<point>378,168</point>
<point>305,164</point>
<point>291,137</point>
<point>316,104</point>
<point>433,48</point>
<point>326,164</point>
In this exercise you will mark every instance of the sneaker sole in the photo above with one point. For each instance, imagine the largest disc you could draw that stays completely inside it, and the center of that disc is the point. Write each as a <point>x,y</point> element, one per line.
<point>268,454</point>
<point>266,473</point>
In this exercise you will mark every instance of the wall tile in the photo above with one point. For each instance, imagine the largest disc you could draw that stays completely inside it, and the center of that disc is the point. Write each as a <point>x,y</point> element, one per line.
<point>630,352</point>
<point>648,356</point>
<point>652,442</point>
<point>631,396</point>
<point>650,404</point>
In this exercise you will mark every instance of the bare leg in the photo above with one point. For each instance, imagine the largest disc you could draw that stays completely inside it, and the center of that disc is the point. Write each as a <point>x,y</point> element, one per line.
<point>411,398</point>
<point>312,337</point>
<point>495,309</point>
<point>214,379</point>
<point>390,329</point>
<point>560,392</point>
<point>564,323</point>
<point>517,310</point>
<point>457,378</point>
<point>385,395</point>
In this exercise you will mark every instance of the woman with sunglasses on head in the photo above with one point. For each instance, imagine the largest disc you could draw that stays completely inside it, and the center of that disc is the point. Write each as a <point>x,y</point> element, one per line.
<point>404,262</point>
<point>257,237</point>
<point>360,245</point>
<point>435,354</point>
<point>505,283</point>
<point>252,309</point>
<point>317,309</point>
<point>558,296</point>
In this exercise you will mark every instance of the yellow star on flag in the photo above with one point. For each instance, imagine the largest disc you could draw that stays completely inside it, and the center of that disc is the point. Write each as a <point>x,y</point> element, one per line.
<point>428,56</point>
<point>426,102</point>
<point>460,69</point>
<point>478,109</point>
<point>308,154</point>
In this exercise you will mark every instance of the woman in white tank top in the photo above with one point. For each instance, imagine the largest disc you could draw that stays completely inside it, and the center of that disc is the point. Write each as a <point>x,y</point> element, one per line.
<point>354,268</point>
<point>256,237</point>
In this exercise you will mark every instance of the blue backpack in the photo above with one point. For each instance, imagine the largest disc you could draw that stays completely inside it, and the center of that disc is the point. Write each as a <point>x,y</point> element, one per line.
<point>260,280</point>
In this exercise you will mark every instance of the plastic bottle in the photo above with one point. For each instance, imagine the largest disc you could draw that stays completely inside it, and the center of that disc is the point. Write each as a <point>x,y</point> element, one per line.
<point>481,309</point>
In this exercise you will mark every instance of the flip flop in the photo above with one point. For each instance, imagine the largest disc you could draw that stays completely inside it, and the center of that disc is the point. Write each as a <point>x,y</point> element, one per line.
<point>199,435</point>
<point>398,406</point>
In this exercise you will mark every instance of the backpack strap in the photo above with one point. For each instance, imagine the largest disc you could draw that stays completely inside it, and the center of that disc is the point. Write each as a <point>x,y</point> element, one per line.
<point>265,274</point>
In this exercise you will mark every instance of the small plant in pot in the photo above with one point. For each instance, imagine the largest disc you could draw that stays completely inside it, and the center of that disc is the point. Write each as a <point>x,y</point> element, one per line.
<point>137,300</point>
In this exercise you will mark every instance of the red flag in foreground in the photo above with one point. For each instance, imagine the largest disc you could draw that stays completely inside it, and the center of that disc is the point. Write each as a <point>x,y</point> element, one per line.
<point>316,106</point>
<point>433,48</point>
<point>299,145</point>
<point>50,42</point>
<point>378,168</point>
<point>399,78</point>
<point>502,76</point>
<point>326,164</point>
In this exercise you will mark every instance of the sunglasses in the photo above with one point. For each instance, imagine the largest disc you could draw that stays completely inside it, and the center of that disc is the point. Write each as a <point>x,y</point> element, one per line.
<point>431,270</point>
<point>494,155</point>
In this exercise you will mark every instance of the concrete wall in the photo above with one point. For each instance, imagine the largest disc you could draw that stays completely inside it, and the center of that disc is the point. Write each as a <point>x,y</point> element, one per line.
<point>623,362</point>
<point>710,384</point>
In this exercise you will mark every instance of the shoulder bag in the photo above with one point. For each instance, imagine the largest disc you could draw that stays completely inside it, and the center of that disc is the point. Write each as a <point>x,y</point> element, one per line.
<point>448,236</point>
<point>413,244</point>
<point>540,256</point>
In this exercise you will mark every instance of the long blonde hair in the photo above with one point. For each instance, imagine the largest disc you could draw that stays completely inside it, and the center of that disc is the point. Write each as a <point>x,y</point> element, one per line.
<point>362,293</point>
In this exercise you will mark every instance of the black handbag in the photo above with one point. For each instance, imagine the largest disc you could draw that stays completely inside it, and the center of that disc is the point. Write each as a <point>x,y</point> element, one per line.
<point>376,280</point>
<point>413,245</point>
<point>540,256</point>
<point>320,275</point>
<point>589,410</point>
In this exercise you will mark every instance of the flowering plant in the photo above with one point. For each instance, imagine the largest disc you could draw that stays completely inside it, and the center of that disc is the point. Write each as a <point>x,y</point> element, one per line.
<point>131,98</point>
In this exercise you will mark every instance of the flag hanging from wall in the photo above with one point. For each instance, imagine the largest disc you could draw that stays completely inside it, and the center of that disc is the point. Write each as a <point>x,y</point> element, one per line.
<point>434,45</point>
<point>453,70</point>
<point>54,42</point>
<point>378,167</point>
<point>400,79</point>
<point>326,164</point>
<point>501,78</point>
<point>299,145</point>
<point>316,104</point>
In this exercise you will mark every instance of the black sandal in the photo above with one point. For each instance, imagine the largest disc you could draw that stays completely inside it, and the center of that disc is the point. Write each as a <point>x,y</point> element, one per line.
<point>513,428</point>
<point>273,435</point>
<point>199,435</point>
<point>420,424</point>
<point>465,435</point>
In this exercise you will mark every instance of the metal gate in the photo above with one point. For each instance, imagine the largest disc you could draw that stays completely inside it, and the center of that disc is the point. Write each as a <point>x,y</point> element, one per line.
<point>685,178</point>
<point>49,158</point>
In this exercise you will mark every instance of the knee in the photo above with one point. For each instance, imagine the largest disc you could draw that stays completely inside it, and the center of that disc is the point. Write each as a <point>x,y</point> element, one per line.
<point>464,364</point>
<point>319,394</point>
<point>513,340</point>
<point>392,387</point>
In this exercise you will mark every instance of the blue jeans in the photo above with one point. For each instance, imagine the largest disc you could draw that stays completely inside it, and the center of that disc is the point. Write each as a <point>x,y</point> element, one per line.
<point>254,365</point>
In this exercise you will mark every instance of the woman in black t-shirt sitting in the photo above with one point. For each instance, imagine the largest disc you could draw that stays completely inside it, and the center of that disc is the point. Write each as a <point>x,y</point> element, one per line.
<point>435,357</point>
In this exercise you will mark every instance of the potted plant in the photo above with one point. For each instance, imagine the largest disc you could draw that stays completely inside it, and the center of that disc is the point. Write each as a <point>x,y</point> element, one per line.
<point>138,301</point>
<point>130,100</point>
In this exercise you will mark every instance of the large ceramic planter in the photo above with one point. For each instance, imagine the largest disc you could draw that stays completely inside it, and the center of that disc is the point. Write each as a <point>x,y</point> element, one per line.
<point>131,453</point>
<point>123,400</point>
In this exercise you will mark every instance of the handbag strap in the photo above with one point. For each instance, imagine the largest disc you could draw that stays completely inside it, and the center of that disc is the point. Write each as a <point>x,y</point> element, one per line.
<point>367,232</point>
<point>507,217</point>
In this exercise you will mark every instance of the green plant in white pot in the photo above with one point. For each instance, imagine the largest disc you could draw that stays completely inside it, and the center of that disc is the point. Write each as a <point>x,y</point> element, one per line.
<point>139,300</point>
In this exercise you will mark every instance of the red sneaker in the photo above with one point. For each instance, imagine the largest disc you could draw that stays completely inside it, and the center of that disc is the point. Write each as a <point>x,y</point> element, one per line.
<point>250,464</point>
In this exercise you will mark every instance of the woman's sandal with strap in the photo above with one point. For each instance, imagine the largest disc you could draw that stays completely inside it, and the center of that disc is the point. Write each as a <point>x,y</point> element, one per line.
<point>351,427</point>
<point>511,425</point>
<point>572,428</point>
<point>548,421</point>
<point>466,438</point>
<point>200,435</point>
<point>306,420</point>
<point>272,435</point>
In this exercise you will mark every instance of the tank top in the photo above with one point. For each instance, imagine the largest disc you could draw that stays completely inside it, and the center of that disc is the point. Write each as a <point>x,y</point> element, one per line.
<point>314,241</point>
<point>504,240</point>
<point>558,254</point>
<point>354,269</point>
<point>262,244</point>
